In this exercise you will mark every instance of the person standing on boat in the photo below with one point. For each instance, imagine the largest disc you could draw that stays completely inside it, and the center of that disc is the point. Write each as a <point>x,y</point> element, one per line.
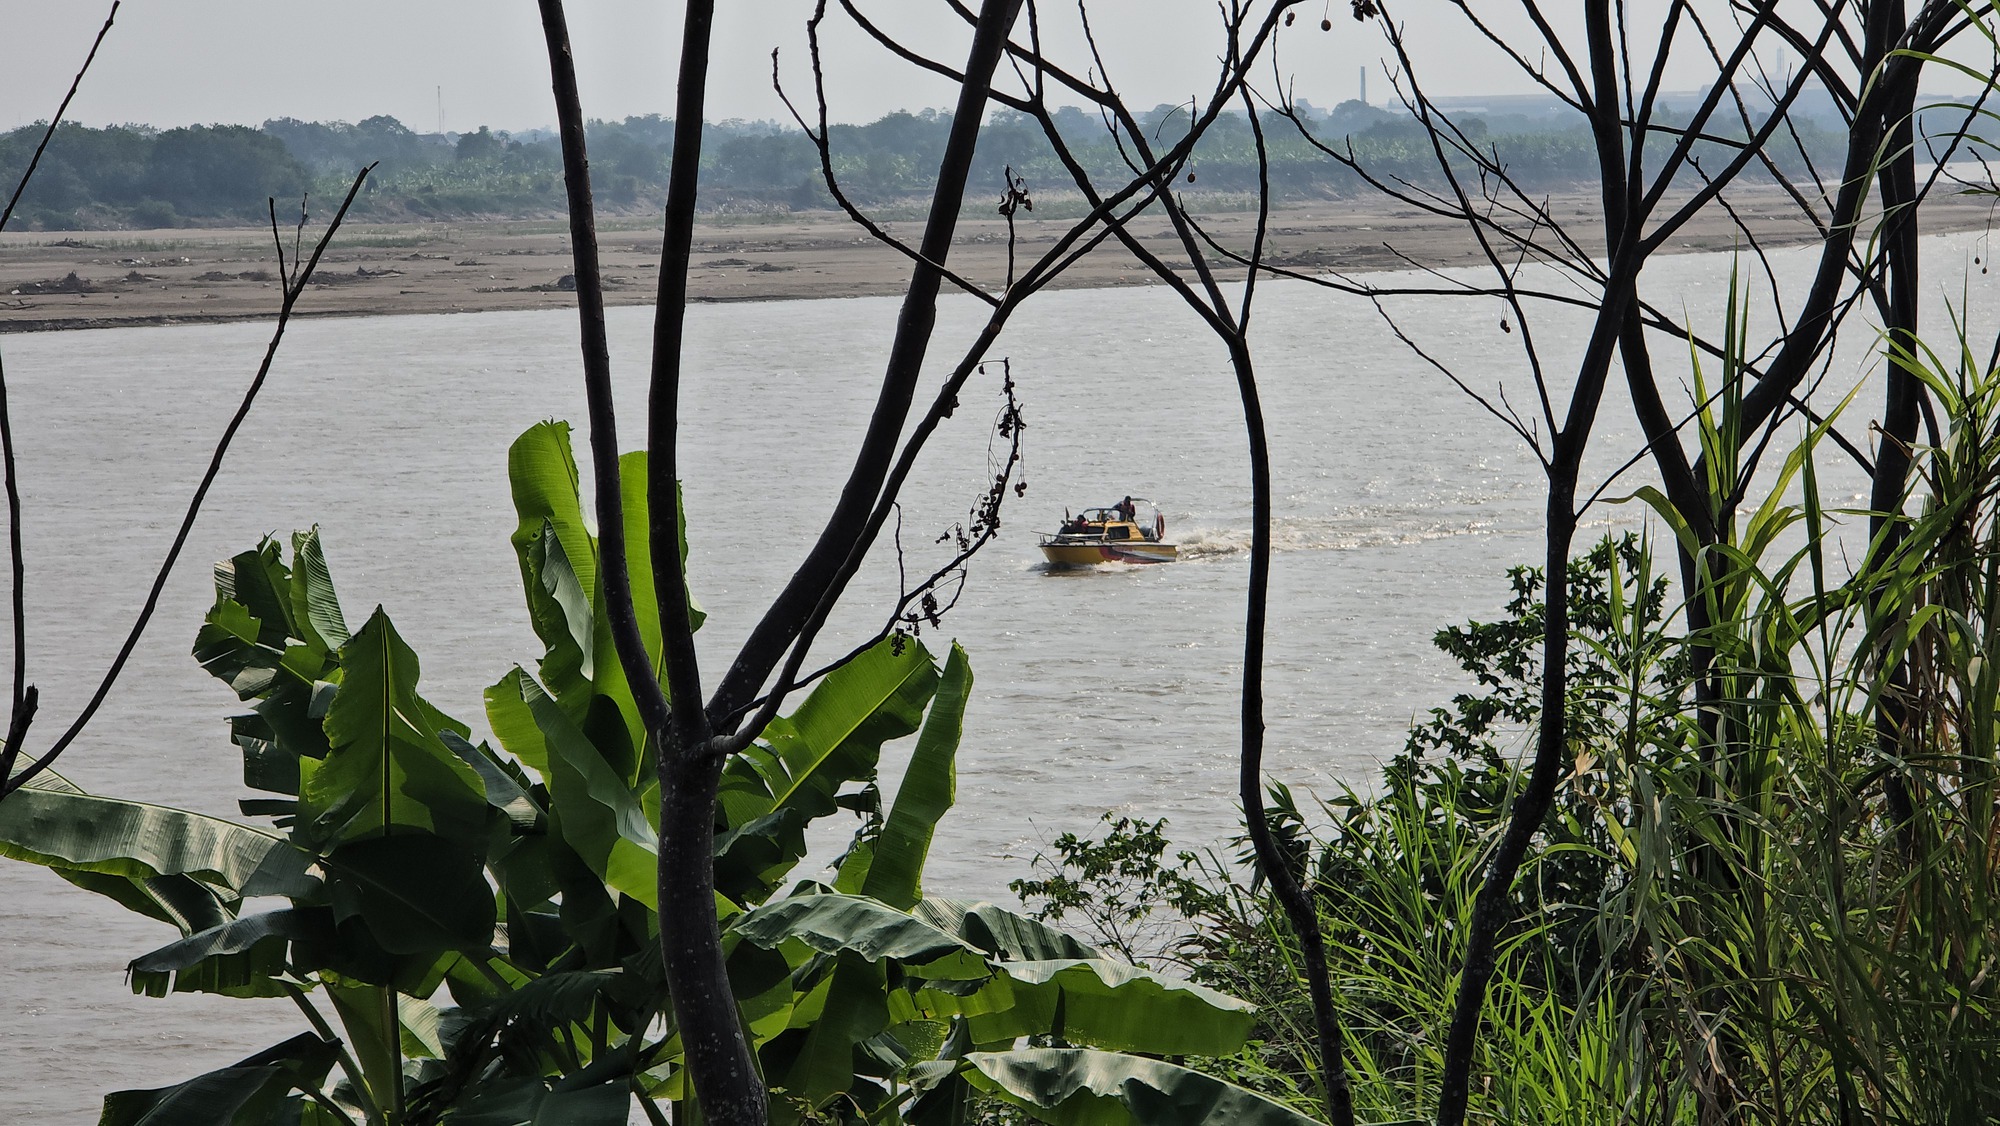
<point>1128,511</point>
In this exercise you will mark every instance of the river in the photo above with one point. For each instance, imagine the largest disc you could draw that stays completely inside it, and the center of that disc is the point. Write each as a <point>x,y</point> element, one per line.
<point>1400,506</point>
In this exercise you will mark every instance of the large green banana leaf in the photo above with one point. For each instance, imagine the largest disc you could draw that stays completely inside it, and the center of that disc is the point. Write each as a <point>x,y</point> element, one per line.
<point>65,829</point>
<point>1116,1006</point>
<point>761,979</point>
<point>387,769</point>
<point>639,551</point>
<point>313,600</point>
<point>513,722</point>
<point>558,558</point>
<point>181,901</point>
<point>526,1102</point>
<point>834,923</point>
<point>570,659</point>
<point>270,636</point>
<point>1081,1087</point>
<point>890,865</point>
<point>601,817</point>
<point>251,1092</point>
<point>886,865</point>
<point>295,609</point>
<point>547,499</point>
<point>506,789</point>
<point>837,921</point>
<point>854,1009</point>
<point>416,893</point>
<point>1095,1001</point>
<point>1006,935</point>
<point>645,597</point>
<point>296,604</point>
<point>639,559</point>
<point>559,574</point>
<point>600,704</point>
<point>240,958</point>
<point>796,775</point>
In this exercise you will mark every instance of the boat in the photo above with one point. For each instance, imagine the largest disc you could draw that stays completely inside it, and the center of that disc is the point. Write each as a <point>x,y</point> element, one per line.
<point>1131,531</point>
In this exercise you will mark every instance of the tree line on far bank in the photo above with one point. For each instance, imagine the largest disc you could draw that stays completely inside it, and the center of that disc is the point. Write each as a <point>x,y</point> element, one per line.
<point>137,176</point>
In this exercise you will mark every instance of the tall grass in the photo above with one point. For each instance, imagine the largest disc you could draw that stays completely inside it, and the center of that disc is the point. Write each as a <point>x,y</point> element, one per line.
<point>1722,920</point>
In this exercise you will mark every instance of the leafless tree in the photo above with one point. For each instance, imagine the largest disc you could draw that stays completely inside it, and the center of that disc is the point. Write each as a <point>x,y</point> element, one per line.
<point>295,275</point>
<point>697,731</point>
<point>1654,175</point>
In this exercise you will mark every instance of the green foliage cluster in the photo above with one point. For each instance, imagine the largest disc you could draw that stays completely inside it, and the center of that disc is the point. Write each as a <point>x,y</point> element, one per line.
<point>150,178</point>
<point>1722,914</point>
<point>471,932</point>
<point>138,176</point>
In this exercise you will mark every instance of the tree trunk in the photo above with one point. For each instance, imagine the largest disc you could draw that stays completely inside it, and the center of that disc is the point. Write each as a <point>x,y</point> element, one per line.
<point>726,1079</point>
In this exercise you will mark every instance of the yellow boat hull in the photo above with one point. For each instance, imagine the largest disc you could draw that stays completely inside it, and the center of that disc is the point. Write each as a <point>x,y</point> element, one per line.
<point>1102,551</point>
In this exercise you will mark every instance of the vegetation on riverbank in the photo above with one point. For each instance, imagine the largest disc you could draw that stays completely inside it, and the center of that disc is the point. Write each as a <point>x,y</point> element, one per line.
<point>1745,873</point>
<point>470,932</point>
<point>1745,920</point>
<point>468,928</point>
<point>140,177</point>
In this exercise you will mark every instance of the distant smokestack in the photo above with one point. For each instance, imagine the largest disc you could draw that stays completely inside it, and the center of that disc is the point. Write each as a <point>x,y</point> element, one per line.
<point>1364,85</point>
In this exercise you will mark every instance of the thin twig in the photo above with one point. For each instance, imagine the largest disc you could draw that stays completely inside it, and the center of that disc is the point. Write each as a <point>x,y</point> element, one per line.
<point>293,290</point>
<point>613,573</point>
<point>49,133</point>
<point>833,559</point>
<point>25,698</point>
<point>819,136</point>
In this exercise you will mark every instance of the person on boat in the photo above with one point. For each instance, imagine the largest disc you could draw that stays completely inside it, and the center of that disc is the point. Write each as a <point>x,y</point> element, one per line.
<point>1127,510</point>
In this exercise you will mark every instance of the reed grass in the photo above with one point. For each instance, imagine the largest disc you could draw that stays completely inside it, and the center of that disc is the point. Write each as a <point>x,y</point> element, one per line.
<point>1722,921</point>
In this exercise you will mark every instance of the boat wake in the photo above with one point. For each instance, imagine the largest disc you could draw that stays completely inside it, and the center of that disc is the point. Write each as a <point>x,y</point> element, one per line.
<point>1108,567</point>
<point>1307,534</point>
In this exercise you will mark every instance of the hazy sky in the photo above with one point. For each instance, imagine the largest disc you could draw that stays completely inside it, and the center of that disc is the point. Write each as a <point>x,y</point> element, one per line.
<point>178,62</point>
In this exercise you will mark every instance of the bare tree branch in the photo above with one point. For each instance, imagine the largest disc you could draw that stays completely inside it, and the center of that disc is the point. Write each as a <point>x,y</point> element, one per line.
<point>25,698</point>
<point>295,283</point>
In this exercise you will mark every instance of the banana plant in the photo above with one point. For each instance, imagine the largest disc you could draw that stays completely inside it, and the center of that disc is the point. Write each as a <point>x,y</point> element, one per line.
<point>469,930</point>
<point>962,1000</point>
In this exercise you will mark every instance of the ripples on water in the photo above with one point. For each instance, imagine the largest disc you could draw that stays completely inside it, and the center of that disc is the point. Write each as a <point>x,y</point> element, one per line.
<point>1375,529</point>
<point>1401,506</point>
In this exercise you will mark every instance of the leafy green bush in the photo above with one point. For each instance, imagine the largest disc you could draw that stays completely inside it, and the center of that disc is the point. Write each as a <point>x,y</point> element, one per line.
<point>471,932</point>
<point>1722,919</point>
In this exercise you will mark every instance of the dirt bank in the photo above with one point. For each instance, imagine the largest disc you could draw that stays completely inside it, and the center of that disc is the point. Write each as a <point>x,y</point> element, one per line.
<point>105,279</point>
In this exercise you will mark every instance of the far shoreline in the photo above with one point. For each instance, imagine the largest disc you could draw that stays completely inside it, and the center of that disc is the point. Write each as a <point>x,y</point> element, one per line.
<point>67,280</point>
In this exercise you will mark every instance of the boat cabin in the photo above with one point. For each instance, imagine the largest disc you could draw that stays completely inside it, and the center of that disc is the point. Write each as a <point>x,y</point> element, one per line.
<point>1114,524</point>
<point>1131,531</point>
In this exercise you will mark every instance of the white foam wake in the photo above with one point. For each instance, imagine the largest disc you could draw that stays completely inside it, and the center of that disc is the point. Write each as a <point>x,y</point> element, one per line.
<point>1309,534</point>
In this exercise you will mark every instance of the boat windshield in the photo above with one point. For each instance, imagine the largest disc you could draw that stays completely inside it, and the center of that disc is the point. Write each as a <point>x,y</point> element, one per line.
<point>1136,519</point>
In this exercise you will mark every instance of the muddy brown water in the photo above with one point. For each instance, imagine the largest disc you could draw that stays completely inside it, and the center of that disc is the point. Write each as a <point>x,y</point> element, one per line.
<point>1400,506</point>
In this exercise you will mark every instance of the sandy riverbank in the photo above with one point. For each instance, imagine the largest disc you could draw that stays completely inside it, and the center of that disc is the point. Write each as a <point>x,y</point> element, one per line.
<point>118,278</point>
